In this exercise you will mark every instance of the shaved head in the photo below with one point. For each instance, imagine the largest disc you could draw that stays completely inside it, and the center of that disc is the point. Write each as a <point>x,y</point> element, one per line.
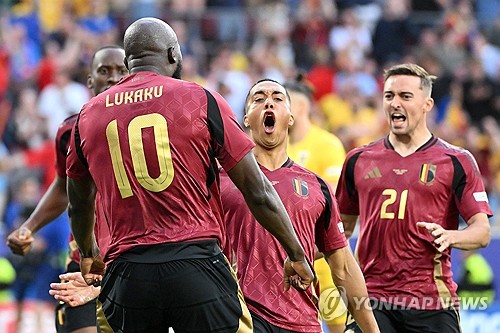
<point>151,45</point>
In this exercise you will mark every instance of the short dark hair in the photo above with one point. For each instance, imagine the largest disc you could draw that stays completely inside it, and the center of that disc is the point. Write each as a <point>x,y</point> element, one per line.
<point>264,80</point>
<point>300,85</point>
<point>105,47</point>
<point>426,79</point>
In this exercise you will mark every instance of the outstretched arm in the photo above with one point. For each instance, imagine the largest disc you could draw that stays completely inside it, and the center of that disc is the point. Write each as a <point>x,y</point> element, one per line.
<point>267,208</point>
<point>476,235</point>
<point>53,203</point>
<point>348,278</point>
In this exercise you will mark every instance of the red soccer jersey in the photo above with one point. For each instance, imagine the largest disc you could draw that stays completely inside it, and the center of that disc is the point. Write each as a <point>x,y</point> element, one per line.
<point>313,210</point>
<point>391,193</point>
<point>150,144</point>
<point>62,143</point>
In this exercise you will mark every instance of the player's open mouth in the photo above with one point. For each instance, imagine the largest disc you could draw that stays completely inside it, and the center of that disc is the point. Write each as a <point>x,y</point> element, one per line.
<point>398,118</point>
<point>269,121</point>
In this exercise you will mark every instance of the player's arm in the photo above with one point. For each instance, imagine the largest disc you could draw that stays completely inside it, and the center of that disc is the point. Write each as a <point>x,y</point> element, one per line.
<point>349,222</point>
<point>267,208</point>
<point>81,195</point>
<point>476,235</point>
<point>348,278</point>
<point>52,204</point>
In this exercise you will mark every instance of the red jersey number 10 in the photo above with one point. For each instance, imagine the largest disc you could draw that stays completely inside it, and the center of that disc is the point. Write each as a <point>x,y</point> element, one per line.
<point>158,184</point>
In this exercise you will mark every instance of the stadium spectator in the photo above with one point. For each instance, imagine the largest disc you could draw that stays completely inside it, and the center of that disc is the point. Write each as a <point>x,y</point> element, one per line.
<point>476,281</point>
<point>42,266</point>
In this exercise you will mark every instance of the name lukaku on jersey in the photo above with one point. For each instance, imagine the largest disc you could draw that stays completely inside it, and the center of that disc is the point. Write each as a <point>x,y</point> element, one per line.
<point>134,96</point>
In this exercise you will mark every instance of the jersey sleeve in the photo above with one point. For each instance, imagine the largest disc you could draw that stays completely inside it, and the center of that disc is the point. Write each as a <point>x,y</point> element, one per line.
<point>470,195</point>
<point>76,167</point>
<point>347,194</point>
<point>329,228</point>
<point>62,143</point>
<point>231,143</point>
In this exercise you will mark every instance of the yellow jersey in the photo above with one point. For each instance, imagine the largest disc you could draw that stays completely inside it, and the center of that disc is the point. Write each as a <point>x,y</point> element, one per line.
<point>323,153</point>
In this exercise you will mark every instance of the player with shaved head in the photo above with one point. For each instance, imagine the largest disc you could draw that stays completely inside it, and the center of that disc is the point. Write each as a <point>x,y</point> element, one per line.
<point>150,153</point>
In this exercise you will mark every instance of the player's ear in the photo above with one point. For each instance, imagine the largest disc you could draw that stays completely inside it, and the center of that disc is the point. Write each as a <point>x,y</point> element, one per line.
<point>171,55</point>
<point>245,121</point>
<point>429,104</point>
<point>90,82</point>
<point>291,120</point>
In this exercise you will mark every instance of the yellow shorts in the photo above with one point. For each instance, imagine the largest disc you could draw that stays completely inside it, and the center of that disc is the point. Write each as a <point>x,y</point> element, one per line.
<point>331,306</point>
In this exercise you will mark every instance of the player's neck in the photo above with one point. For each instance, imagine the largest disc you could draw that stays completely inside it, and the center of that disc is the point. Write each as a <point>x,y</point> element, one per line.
<point>407,144</point>
<point>271,159</point>
<point>299,131</point>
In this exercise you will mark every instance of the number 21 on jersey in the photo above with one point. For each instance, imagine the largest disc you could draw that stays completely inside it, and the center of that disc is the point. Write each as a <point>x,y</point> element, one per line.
<point>141,173</point>
<point>387,210</point>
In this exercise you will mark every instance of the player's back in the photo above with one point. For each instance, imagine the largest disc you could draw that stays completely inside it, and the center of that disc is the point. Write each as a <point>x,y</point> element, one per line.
<point>149,143</point>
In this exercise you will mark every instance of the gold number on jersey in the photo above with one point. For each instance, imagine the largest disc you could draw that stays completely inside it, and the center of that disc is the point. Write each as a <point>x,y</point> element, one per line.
<point>141,172</point>
<point>393,194</point>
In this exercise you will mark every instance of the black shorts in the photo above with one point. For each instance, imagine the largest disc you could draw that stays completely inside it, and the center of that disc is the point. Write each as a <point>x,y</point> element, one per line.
<point>260,325</point>
<point>391,319</point>
<point>189,295</point>
<point>69,319</point>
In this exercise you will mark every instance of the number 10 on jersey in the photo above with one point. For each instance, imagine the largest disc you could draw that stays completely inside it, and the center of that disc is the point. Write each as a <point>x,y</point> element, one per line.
<point>141,173</point>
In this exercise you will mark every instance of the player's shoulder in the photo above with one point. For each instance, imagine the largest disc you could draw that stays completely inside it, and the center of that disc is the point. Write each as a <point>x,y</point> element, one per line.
<point>461,154</point>
<point>298,170</point>
<point>449,148</point>
<point>70,121</point>
<point>67,124</point>
<point>322,135</point>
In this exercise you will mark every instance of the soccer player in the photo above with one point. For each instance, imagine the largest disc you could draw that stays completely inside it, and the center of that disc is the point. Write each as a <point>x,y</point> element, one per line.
<point>310,202</point>
<point>408,190</point>
<point>106,69</point>
<point>323,153</point>
<point>148,146</point>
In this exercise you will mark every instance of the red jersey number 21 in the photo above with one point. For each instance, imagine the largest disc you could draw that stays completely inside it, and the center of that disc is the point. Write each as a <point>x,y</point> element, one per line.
<point>387,210</point>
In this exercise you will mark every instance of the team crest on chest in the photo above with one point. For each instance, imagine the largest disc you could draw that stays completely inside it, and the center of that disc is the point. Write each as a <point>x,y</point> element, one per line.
<point>427,173</point>
<point>300,187</point>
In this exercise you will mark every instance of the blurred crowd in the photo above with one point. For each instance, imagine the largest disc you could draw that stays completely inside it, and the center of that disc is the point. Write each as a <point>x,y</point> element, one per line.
<point>341,47</point>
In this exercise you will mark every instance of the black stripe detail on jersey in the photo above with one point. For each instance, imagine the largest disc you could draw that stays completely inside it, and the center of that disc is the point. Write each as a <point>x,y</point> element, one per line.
<point>214,119</point>
<point>64,142</point>
<point>327,212</point>
<point>288,163</point>
<point>349,173</point>
<point>459,177</point>
<point>388,143</point>
<point>428,144</point>
<point>78,142</point>
<point>216,129</point>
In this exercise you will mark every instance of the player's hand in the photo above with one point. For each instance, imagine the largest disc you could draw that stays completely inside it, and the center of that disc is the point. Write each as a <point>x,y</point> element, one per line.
<point>297,274</point>
<point>92,270</point>
<point>20,241</point>
<point>442,238</point>
<point>74,291</point>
